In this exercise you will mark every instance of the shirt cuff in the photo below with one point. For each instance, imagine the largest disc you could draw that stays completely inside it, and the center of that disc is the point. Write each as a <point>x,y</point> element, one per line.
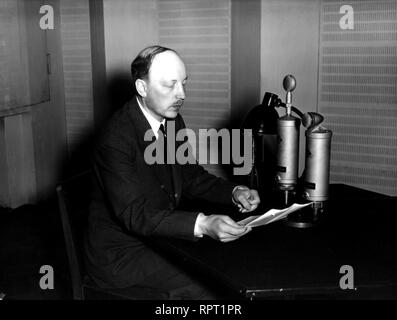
<point>198,232</point>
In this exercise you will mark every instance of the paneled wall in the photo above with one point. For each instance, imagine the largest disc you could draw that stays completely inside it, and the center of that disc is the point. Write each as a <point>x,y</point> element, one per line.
<point>77,70</point>
<point>245,58</point>
<point>23,59</point>
<point>289,45</point>
<point>120,29</point>
<point>358,93</point>
<point>347,75</point>
<point>201,32</point>
<point>32,132</point>
<point>129,26</point>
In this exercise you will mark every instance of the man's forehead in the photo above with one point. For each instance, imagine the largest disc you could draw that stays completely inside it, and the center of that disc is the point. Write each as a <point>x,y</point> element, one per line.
<point>167,64</point>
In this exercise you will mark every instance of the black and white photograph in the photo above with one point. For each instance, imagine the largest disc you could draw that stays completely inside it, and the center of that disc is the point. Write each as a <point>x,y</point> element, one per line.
<point>226,153</point>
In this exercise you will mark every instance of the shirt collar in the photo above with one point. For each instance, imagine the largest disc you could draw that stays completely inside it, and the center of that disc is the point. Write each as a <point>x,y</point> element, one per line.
<point>154,123</point>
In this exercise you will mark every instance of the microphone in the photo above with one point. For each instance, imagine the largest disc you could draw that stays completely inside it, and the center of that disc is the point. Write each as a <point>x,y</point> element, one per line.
<point>311,119</point>
<point>317,164</point>
<point>289,85</point>
<point>288,144</point>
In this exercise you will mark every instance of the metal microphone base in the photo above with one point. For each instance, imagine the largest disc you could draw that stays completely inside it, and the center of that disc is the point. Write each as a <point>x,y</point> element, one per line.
<point>307,217</point>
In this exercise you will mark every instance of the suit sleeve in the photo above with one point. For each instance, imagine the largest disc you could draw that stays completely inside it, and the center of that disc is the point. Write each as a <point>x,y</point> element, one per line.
<point>116,173</point>
<point>199,184</point>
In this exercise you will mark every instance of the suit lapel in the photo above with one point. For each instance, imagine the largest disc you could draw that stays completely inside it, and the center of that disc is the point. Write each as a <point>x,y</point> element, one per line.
<point>161,173</point>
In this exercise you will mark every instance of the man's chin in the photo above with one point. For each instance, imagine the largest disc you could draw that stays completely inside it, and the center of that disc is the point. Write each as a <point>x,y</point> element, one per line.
<point>171,114</point>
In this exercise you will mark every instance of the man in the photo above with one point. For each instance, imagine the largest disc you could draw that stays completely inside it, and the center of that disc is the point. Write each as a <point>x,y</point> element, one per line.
<point>133,201</point>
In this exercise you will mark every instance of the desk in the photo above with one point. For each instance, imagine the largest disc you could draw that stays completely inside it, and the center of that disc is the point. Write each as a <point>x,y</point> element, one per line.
<point>278,261</point>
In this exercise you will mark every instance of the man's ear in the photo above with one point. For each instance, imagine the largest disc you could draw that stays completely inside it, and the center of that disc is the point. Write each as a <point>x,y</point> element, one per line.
<point>141,87</point>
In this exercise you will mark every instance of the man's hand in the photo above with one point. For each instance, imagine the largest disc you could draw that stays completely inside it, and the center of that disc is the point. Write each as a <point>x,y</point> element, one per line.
<point>222,228</point>
<point>246,199</point>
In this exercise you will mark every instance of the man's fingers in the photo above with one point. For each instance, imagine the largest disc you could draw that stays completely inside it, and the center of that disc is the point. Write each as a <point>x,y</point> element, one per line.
<point>231,227</point>
<point>249,200</point>
<point>223,228</point>
<point>253,197</point>
<point>234,230</point>
<point>246,199</point>
<point>254,201</point>
<point>228,237</point>
<point>227,220</point>
<point>243,199</point>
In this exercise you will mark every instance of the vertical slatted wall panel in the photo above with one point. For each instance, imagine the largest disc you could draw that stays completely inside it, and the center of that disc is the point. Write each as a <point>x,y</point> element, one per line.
<point>200,31</point>
<point>76,49</point>
<point>358,92</point>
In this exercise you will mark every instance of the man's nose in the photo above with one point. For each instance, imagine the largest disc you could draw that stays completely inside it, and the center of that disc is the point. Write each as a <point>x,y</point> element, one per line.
<point>180,94</point>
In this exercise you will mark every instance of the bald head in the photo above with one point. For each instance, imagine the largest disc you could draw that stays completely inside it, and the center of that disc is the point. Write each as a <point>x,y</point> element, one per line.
<point>161,84</point>
<point>167,67</point>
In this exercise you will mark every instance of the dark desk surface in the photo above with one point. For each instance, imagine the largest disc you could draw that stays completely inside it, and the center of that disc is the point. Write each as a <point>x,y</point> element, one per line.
<point>275,260</point>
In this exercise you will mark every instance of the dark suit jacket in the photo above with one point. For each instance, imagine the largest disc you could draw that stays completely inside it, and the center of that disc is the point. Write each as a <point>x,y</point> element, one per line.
<point>132,200</point>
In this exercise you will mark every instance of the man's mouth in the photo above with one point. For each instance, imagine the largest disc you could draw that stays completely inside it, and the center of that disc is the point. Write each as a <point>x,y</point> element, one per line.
<point>177,105</point>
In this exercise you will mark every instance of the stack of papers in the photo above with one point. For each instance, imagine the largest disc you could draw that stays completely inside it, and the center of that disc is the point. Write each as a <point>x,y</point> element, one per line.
<point>271,216</point>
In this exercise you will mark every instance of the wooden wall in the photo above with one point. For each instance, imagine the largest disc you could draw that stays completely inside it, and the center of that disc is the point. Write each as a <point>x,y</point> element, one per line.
<point>33,140</point>
<point>48,119</point>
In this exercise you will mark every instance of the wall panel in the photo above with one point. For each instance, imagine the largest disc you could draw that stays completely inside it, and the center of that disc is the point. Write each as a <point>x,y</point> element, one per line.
<point>357,93</point>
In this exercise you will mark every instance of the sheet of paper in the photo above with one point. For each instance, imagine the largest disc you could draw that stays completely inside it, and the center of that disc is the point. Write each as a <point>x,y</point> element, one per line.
<point>271,216</point>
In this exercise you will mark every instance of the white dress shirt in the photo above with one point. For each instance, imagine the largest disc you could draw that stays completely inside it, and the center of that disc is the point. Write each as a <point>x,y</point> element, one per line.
<point>154,123</point>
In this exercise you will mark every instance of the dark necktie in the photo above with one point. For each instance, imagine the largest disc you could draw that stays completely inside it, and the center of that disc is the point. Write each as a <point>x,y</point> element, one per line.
<point>166,156</point>
<point>162,130</point>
